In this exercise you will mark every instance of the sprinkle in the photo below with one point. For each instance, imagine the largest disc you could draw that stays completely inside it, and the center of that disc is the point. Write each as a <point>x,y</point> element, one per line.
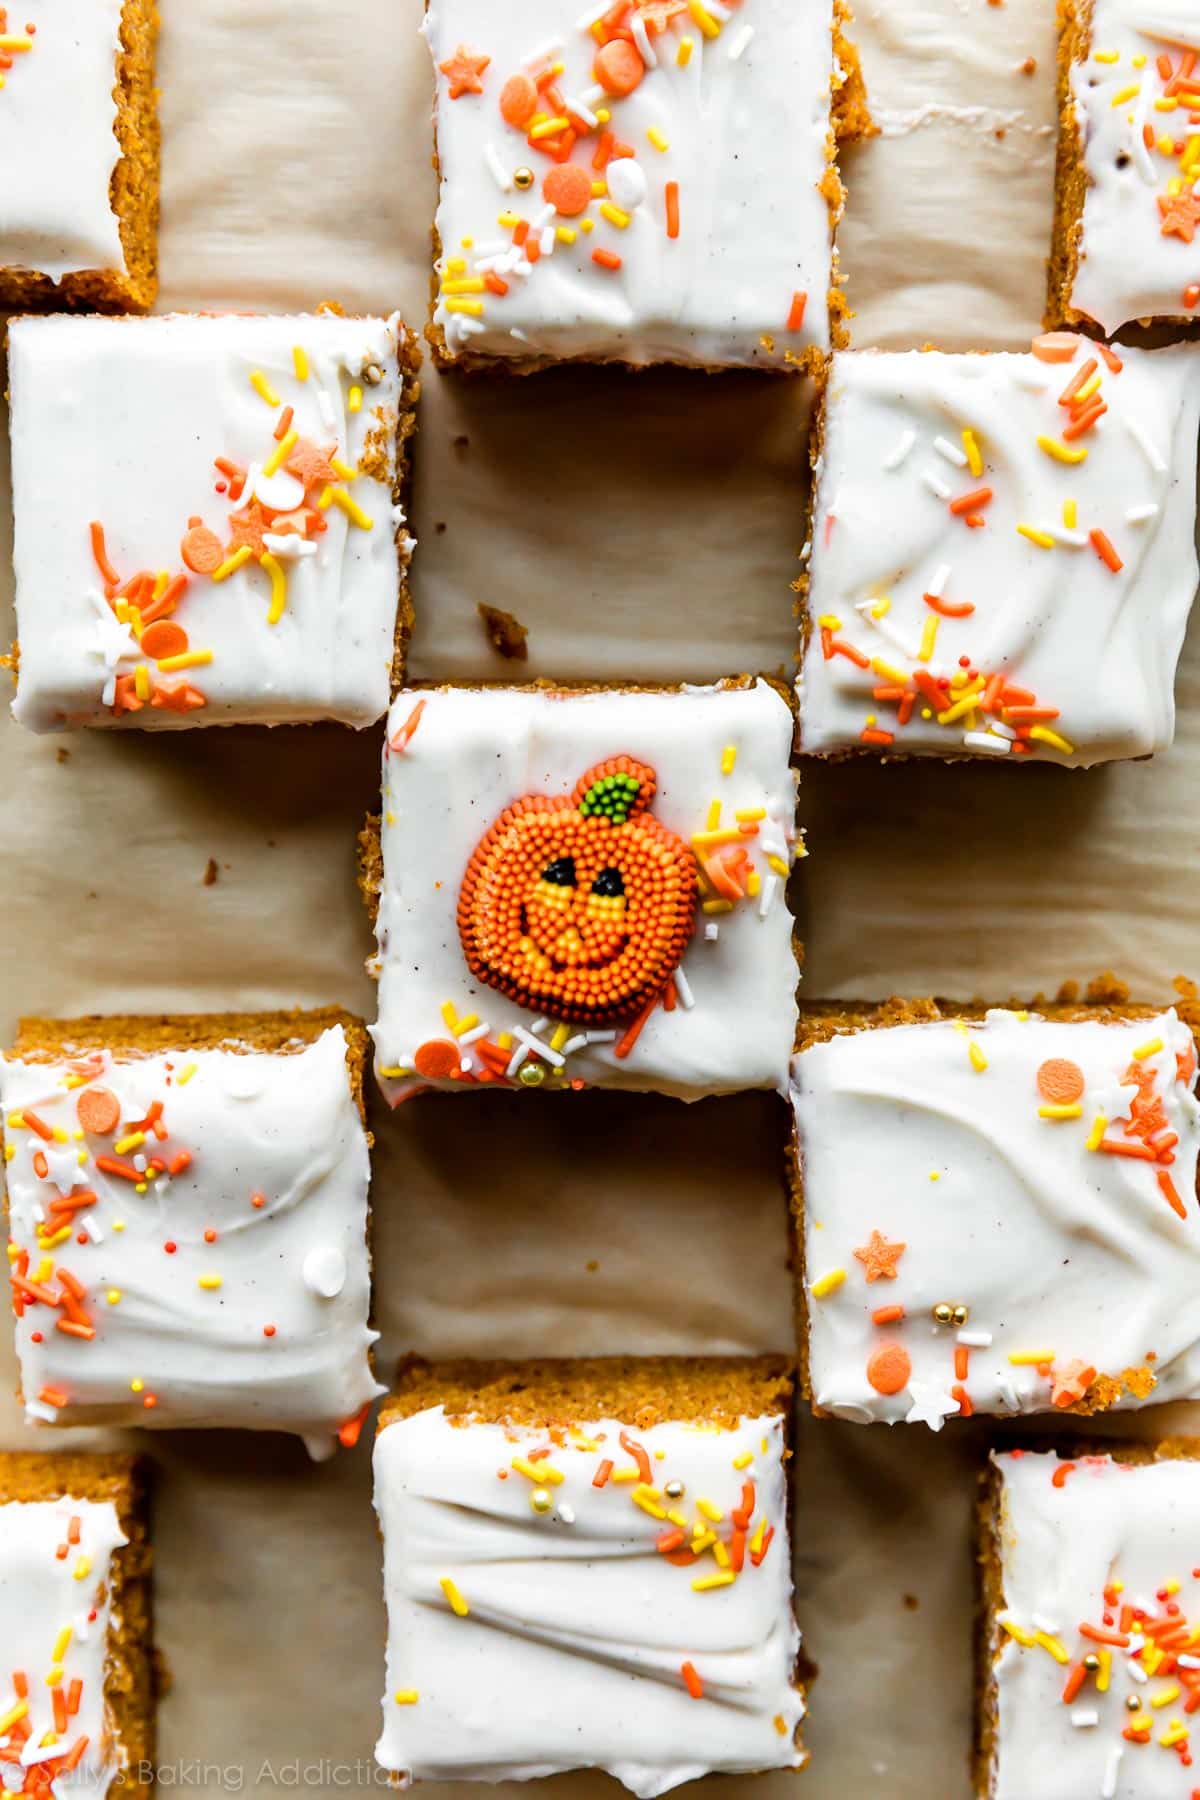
<point>1060,1112</point>
<point>900,450</point>
<point>607,259</point>
<point>1018,1632</point>
<point>406,1696</point>
<point>263,388</point>
<point>1144,444</point>
<point>349,505</point>
<point>1152,1048</point>
<point>683,55</point>
<point>1046,1642</point>
<point>185,1074</point>
<point>541,1472</point>
<point>209,1282</point>
<point>657,139</point>
<point>978,1059</point>
<point>281,452</point>
<point>241,555</point>
<point>1060,452</point>
<point>187,659</point>
<point>740,42</point>
<point>1104,550</point>
<point>951,452</point>
<point>1138,515</point>
<point>299,362</point>
<point>708,25</point>
<point>935,484</point>
<point>1084,1716</point>
<point>1030,1358</point>
<point>1043,735</point>
<point>723,1578</point>
<point>828,1283</point>
<point>457,1604</point>
<point>692,1681</point>
<point>971,446</point>
<point>1042,539</point>
<point>354,400</point>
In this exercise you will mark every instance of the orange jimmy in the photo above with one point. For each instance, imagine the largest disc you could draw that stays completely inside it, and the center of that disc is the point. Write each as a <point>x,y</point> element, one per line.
<point>580,907</point>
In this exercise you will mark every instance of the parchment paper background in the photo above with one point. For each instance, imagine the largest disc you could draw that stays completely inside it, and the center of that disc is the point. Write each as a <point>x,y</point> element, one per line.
<point>641,527</point>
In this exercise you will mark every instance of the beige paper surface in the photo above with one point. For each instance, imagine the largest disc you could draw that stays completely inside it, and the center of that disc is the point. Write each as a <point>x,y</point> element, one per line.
<point>659,543</point>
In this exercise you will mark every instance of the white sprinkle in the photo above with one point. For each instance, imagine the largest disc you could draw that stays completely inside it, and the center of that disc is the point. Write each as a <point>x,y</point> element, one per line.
<point>37,1409</point>
<point>1008,1396</point>
<point>766,899</point>
<point>515,1060</point>
<point>1109,1787</point>
<point>1136,1670</point>
<point>686,997</point>
<point>1084,1716</point>
<point>521,336</point>
<point>575,106</point>
<point>1066,534</point>
<point>900,450</point>
<point>553,1057</point>
<point>1188,1662</point>
<point>93,1230</point>
<point>465,1065</point>
<point>473,1036</point>
<point>935,484</point>
<point>718,11</point>
<point>31,1755</point>
<point>586,20</point>
<point>975,1340</point>
<point>641,38</point>
<point>547,241</point>
<point>500,174</point>
<point>566,1513</point>
<point>139,1163</point>
<point>539,1025</point>
<point>553,46</point>
<point>626,183</point>
<point>1137,515</point>
<point>542,218</point>
<point>983,740</point>
<point>493,247</point>
<point>601,1037</point>
<point>1006,731</point>
<point>82,1626</point>
<point>578,1042</point>
<point>289,545</point>
<point>953,453</point>
<point>712,932</point>
<point>741,40</point>
<point>937,585</point>
<point>1149,450</point>
<point>1044,1622</point>
<point>594,95</point>
<point>325,408</point>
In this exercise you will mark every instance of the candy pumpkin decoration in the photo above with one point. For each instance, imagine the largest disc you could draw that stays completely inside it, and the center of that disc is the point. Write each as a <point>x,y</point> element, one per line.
<point>580,907</point>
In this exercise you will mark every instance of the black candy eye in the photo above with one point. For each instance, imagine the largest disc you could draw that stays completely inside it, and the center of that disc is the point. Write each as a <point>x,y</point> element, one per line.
<point>608,882</point>
<point>561,872</point>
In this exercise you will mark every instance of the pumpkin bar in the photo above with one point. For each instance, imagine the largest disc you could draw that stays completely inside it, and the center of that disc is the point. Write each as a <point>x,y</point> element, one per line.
<point>584,887</point>
<point>1002,554</point>
<point>1127,203</point>
<point>209,518</point>
<point>997,1210</point>
<point>79,137</point>
<point>77,1696</point>
<point>586,1565</point>
<point>1088,1675</point>
<point>644,182</point>
<point>187,1211</point>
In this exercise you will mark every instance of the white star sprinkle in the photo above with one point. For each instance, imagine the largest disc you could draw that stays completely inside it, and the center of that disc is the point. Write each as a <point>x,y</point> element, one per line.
<point>930,1406</point>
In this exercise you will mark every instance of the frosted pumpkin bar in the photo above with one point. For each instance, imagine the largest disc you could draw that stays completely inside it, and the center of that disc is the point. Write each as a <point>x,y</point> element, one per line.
<point>187,1214</point>
<point>79,141</point>
<point>1127,206</point>
<point>209,518</point>
<point>1002,554</point>
<point>77,1696</point>
<point>1089,1677</point>
<point>586,1565</point>
<point>997,1211</point>
<point>640,182</point>
<point>585,887</point>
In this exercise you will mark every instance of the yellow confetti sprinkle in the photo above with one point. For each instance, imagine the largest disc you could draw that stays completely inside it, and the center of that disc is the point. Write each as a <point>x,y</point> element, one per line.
<point>349,505</point>
<point>978,1059</point>
<point>457,1604</point>
<point>1142,1051</point>
<point>241,555</point>
<point>281,452</point>
<point>1060,1112</point>
<point>708,25</point>
<point>539,1472</point>
<point>209,1282</point>
<point>263,388</point>
<point>1030,1358</point>
<point>300,362</point>
<point>723,1578</point>
<point>656,138</point>
<point>828,1283</point>
<point>683,55</point>
<point>1042,539</point>
<point>187,659</point>
<point>406,1696</point>
<point>354,399</point>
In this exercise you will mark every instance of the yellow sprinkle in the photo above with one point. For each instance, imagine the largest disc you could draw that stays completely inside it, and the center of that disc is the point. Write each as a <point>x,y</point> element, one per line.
<point>683,55</point>
<point>971,446</point>
<point>281,452</point>
<point>829,622</point>
<point>1174,1734</point>
<point>1127,93</point>
<point>393,1072</point>
<point>1060,1112</point>
<point>720,1555</point>
<point>457,1604</point>
<point>12,42</point>
<point>753,884</point>
<point>702,1539</point>
<point>344,469</point>
<point>978,1059</point>
<point>1052,1644</point>
<point>1070,514</point>
<point>13,1716</point>
<point>828,1284</point>
<point>472,308</point>
<point>141,682</point>
<point>1043,735</point>
<point>467,1023</point>
<point>561,1034</point>
<point>54,1677</point>
<point>966,704</point>
<point>723,1578</point>
<point>1061,454</point>
<point>550,127</point>
<point>1166,103</point>
<point>1021,1359</point>
<point>242,554</point>
<point>678,1520</point>
<point>406,1696</point>
<point>625,1475</point>
<point>539,1472</point>
<point>713,821</point>
<point>209,1282</point>
<point>507,220</point>
<point>716,906</point>
<point>1041,538</point>
<point>263,388</point>
<point>728,759</point>
<point>744,1460</point>
<point>599,189</point>
<point>1152,1048</point>
<point>299,362</point>
<point>124,1145</point>
<point>566,234</point>
<point>1140,1722</point>
<point>187,659</point>
<point>614,214</point>
<point>1019,1633</point>
<point>468,284</point>
<point>750,815</point>
<point>603,114</point>
<point>1164,1697</point>
<point>113,1296</point>
<point>641,1497</point>
<point>449,1015</point>
<point>587,224</point>
<point>704,20</point>
<point>185,1074</point>
<point>468,243</point>
<point>62,1644</point>
<point>1104,1672</point>
<point>1171,1587</point>
<point>349,505</point>
<point>929,633</point>
<point>656,138</point>
<point>455,265</point>
<point>722,834</point>
<point>1090,387</point>
<point>354,399</point>
<point>45,1270</point>
<point>83,1568</point>
<point>712,1513</point>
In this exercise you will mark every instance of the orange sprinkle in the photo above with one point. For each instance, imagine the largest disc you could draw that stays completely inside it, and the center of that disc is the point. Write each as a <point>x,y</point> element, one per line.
<point>1170,1193</point>
<point>1083,421</point>
<point>1073,1683</point>
<point>164,639</point>
<point>1081,376</point>
<point>53,1396</point>
<point>640,1457</point>
<point>1055,346</point>
<point>350,1430</point>
<point>1118,1147</point>
<point>889,1368</point>
<point>112,1165</point>
<point>1104,550</point>
<point>1113,361</point>
<point>101,554</point>
<point>201,548</point>
<point>668,1541</point>
<point>74,1696</point>
<point>887,1315</point>
<point>795,318</point>
<point>1191,295</point>
<point>285,419</point>
<point>1096,1634</point>
<point>634,1032</point>
<point>1059,1081</point>
<point>602,154</point>
<point>872,735</point>
<point>603,1471</point>
<point>965,1407</point>
<point>437,1059</point>
<point>568,188</point>
<point>38,1125</point>
<point>962,611</point>
<point>618,68</point>
<point>607,259</point>
<point>518,101</point>
<point>756,1556</point>
<point>672,198</point>
<point>404,736</point>
<point>965,503</point>
<point>962,1361</point>
<point>691,1681</point>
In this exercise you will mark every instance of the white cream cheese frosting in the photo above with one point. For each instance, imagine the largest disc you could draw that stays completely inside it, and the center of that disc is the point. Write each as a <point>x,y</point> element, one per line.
<point>1016,1198</point>
<point>58,142</point>
<point>55,1617</point>
<point>1097,1558</point>
<point>975,535</point>
<point>1139,256</point>
<point>200,1264</point>
<point>534,1626</point>
<point>212,463</point>
<point>712,203</point>
<point>456,760</point>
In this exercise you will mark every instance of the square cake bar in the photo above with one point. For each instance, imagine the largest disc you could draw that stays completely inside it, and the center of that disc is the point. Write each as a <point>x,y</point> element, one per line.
<point>586,1565</point>
<point>585,887</point>
<point>77,1685</point>
<point>998,1211</point>
<point>79,145</point>
<point>1090,1642</point>
<point>187,1210</point>
<point>1127,202</point>
<point>641,182</point>
<point>1002,555</point>
<point>208,518</point>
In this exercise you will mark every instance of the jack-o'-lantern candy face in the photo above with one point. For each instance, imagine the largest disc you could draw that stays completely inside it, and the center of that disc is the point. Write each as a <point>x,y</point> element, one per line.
<point>580,907</point>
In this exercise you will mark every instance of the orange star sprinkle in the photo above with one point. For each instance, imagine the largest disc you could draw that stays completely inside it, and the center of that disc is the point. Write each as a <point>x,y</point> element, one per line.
<point>879,1257</point>
<point>463,70</point>
<point>656,15</point>
<point>247,527</point>
<point>311,465</point>
<point>1180,215</point>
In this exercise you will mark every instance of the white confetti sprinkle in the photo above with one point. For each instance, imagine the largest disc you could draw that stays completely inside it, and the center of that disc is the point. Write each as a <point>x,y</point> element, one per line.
<point>897,454</point>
